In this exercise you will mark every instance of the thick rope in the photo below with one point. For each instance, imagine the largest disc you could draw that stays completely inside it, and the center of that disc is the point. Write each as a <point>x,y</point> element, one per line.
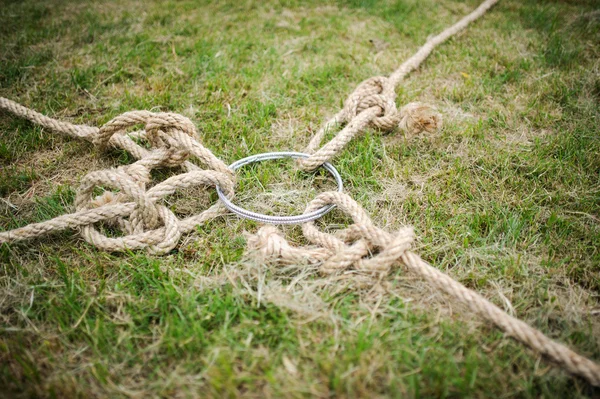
<point>373,103</point>
<point>365,247</point>
<point>133,208</point>
<point>77,131</point>
<point>136,210</point>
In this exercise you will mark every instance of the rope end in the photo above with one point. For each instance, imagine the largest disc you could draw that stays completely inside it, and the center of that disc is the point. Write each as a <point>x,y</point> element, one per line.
<point>418,117</point>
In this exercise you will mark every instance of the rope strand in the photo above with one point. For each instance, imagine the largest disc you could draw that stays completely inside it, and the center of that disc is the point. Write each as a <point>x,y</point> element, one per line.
<point>373,102</point>
<point>353,246</point>
<point>145,223</point>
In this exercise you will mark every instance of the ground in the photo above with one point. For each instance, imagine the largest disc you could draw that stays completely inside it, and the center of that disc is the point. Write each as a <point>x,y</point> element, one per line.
<point>505,199</point>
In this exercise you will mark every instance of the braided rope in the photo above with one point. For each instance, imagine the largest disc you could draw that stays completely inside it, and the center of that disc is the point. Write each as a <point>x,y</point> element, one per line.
<point>146,223</point>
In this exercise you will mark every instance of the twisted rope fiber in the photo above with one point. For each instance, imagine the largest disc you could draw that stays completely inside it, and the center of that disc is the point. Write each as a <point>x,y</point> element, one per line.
<point>368,248</point>
<point>134,209</point>
<point>172,140</point>
<point>373,102</point>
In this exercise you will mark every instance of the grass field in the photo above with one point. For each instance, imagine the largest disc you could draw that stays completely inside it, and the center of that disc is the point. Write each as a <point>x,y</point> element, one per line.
<point>505,198</point>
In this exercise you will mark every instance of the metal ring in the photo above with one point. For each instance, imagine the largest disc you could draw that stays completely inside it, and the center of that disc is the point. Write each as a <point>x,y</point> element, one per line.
<point>259,217</point>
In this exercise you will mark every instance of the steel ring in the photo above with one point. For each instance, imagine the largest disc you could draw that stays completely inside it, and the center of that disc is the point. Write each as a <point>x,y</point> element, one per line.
<point>259,217</point>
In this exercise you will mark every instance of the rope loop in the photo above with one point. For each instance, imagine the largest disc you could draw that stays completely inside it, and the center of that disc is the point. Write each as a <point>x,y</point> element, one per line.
<point>146,215</point>
<point>149,224</point>
<point>362,244</point>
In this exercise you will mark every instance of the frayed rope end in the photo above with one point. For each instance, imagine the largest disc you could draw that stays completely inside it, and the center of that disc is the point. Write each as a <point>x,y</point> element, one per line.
<point>418,117</point>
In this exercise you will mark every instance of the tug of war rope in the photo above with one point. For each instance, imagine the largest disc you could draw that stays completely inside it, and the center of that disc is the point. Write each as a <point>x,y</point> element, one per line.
<point>135,208</point>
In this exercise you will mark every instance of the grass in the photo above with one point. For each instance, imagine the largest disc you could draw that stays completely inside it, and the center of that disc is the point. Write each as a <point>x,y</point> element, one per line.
<point>505,198</point>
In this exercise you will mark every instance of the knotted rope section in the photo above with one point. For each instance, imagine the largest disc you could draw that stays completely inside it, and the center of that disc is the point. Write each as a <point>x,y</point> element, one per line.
<point>133,209</point>
<point>349,247</point>
<point>171,140</point>
<point>366,247</point>
<point>373,103</point>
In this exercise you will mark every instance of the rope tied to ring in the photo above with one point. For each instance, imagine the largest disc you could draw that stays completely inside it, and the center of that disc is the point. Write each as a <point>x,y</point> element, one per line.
<point>138,211</point>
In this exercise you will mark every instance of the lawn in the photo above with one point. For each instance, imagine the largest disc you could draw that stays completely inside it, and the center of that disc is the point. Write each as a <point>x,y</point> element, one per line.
<point>505,198</point>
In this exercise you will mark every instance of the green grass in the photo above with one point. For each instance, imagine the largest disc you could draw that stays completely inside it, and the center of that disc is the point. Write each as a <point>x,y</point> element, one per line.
<point>505,198</point>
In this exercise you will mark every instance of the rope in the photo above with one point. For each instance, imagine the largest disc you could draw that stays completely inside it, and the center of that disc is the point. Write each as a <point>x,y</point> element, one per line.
<point>355,245</point>
<point>373,102</point>
<point>77,131</point>
<point>134,209</point>
<point>137,210</point>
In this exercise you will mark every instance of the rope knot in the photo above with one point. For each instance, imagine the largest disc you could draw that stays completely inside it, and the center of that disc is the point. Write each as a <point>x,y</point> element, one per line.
<point>387,248</point>
<point>362,244</point>
<point>138,172</point>
<point>171,131</point>
<point>269,245</point>
<point>148,224</point>
<point>374,92</point>
<point>161,130</point>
